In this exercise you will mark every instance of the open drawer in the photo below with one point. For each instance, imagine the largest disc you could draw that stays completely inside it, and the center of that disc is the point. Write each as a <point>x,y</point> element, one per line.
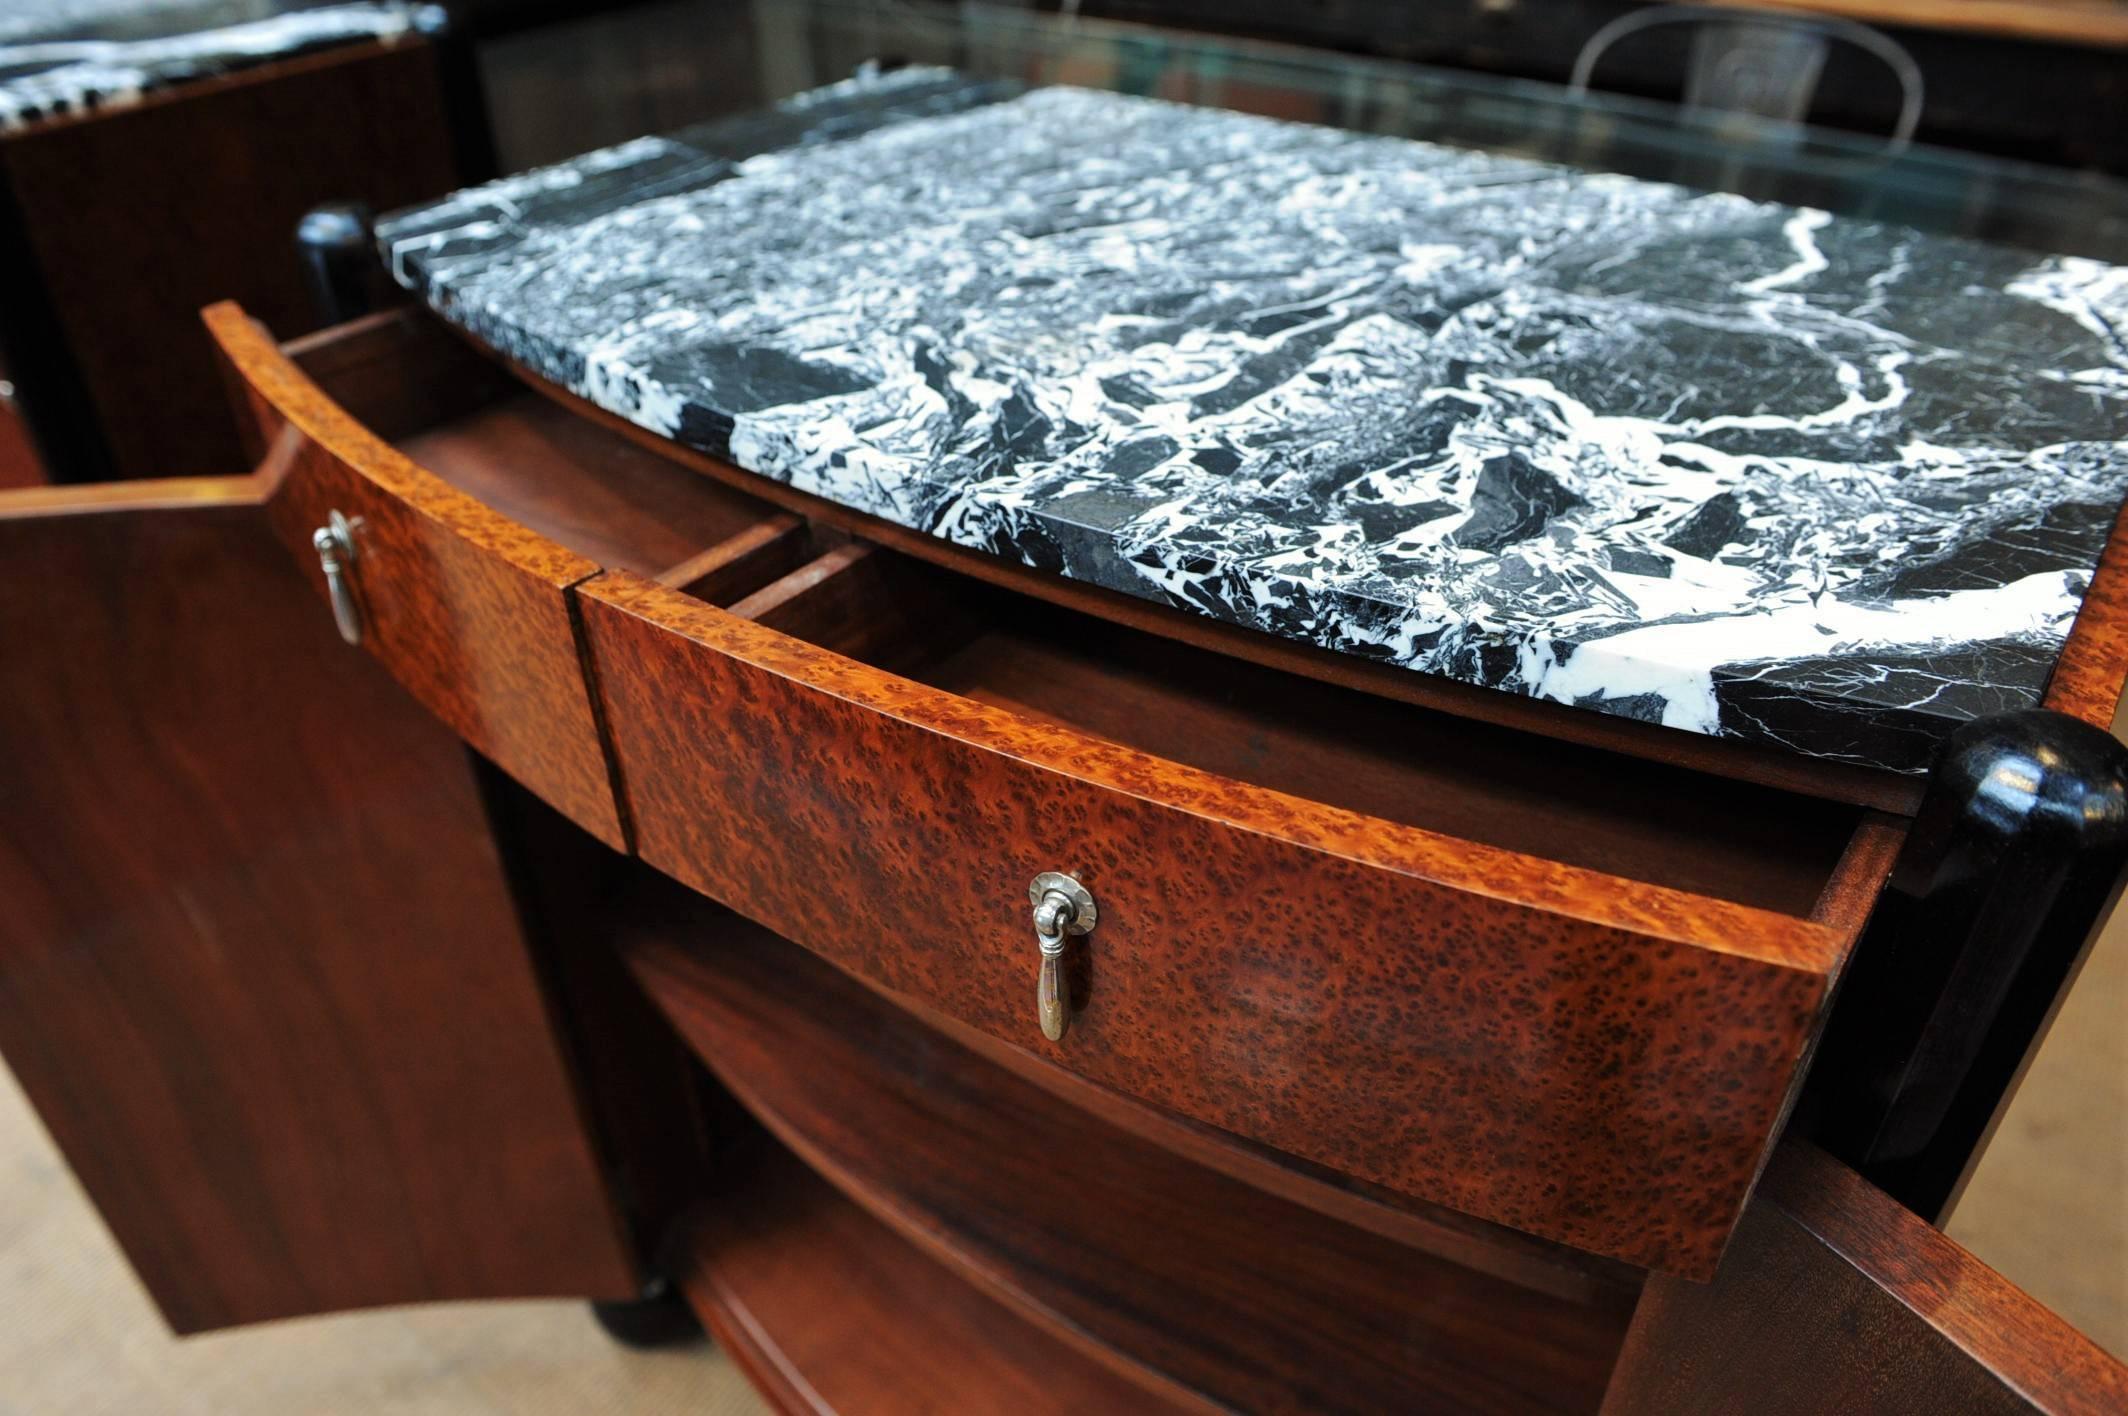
<point>462,508</point>
<point>1539,984</point>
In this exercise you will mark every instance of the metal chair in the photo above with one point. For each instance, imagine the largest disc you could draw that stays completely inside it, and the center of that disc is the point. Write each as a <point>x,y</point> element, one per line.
<point>1761,62</point>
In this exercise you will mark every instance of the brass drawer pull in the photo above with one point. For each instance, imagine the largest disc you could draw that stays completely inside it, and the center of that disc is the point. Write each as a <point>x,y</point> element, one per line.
<point>335,545</point>
<point>1062,908</point>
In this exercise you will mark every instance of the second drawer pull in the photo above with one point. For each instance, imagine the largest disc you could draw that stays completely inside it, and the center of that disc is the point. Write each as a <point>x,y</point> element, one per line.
<point>335,545</point>
<point>1062,908</point>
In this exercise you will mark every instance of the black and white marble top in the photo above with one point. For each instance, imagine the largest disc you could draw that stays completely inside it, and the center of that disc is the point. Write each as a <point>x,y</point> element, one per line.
<point>1740,469</point>
<point>70,56</point>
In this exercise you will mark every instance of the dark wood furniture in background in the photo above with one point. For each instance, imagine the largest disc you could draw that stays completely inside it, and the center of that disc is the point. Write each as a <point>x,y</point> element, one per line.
<point>117,225</point>
<point>20,466</point>
<point>1421,1057</point>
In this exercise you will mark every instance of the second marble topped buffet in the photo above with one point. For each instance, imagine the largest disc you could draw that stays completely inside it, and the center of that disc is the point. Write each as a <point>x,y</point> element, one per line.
<point>62,57</point>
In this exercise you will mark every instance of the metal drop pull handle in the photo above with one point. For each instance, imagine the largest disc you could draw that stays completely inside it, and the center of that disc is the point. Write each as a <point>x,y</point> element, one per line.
<point>335,545</point>
<point>1062,908</point>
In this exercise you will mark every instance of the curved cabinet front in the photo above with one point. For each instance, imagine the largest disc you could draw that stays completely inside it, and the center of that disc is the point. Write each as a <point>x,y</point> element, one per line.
<point>1586,1057</point>
<point>1536,983</point>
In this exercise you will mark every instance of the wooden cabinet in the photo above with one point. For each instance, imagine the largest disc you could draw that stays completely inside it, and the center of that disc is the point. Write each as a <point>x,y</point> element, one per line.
<point>1412,1059</point>
<point>20,466</point>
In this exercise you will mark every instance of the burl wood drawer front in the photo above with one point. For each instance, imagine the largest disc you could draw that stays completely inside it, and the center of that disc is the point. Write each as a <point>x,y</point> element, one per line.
<point>466,608</point>
<point>1581,1056</point>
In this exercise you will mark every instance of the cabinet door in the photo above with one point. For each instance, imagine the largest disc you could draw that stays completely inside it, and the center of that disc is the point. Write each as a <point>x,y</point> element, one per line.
<point>260,972</point>
<point>1834,1299</point>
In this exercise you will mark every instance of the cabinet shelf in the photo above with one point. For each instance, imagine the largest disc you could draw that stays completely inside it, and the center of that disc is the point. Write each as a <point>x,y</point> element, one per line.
<point>827,1310</point>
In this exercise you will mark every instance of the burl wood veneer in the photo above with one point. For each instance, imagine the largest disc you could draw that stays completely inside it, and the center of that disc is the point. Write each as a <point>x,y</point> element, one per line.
<point>467,609</point>
<point>465,603</point>
<point>1592,1058</point>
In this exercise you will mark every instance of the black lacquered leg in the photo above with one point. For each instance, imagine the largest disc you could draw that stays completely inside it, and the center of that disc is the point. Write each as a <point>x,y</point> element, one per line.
<point>340,266</point>
<point>660,1318</point>
<point>2015,859</point>
<point>465,102</point>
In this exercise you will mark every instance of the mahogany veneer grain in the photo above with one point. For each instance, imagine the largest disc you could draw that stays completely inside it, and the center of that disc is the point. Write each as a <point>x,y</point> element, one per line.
<point>2093,669</point>
<point>20,466</point>
<point>1836,1301</point>
<point>136,216</point>
<point>259,972</point>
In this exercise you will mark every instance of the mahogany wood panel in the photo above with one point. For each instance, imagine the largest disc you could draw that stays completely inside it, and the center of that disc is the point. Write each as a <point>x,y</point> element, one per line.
<point>827,1310</point>
<point>19,464</point>
<point>138,216</point>
<point>1245,1299</point>
<point>1886,791</point>
<point>2093,668</point>
<point>393,371</point>
<point>578,485</point>
<point>259,972</point>
<point>467,608</point>
<point>643,1090</point>
<point>1590,1059</point>
<point>1836,1300</point>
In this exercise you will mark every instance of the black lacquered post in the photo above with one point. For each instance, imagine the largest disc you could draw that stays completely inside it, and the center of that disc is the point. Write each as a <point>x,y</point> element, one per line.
<point>465,102</point>
<point>339,262</point>
<point>2015,860</point>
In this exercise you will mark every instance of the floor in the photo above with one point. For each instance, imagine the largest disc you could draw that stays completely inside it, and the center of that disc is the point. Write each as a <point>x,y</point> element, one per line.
<point>78,1336</point>
<point>2048,1206</point>
<point>2048,1203</point>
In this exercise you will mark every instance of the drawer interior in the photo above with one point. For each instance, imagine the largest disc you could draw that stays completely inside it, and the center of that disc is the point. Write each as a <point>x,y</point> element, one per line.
<point>592,490</point>
<point>1399,762</point>
<point>456,414</point>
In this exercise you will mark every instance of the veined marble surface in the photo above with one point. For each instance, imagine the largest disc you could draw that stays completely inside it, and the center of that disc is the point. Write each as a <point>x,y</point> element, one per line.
<point>1737,468</point>
<point>68,56</point>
